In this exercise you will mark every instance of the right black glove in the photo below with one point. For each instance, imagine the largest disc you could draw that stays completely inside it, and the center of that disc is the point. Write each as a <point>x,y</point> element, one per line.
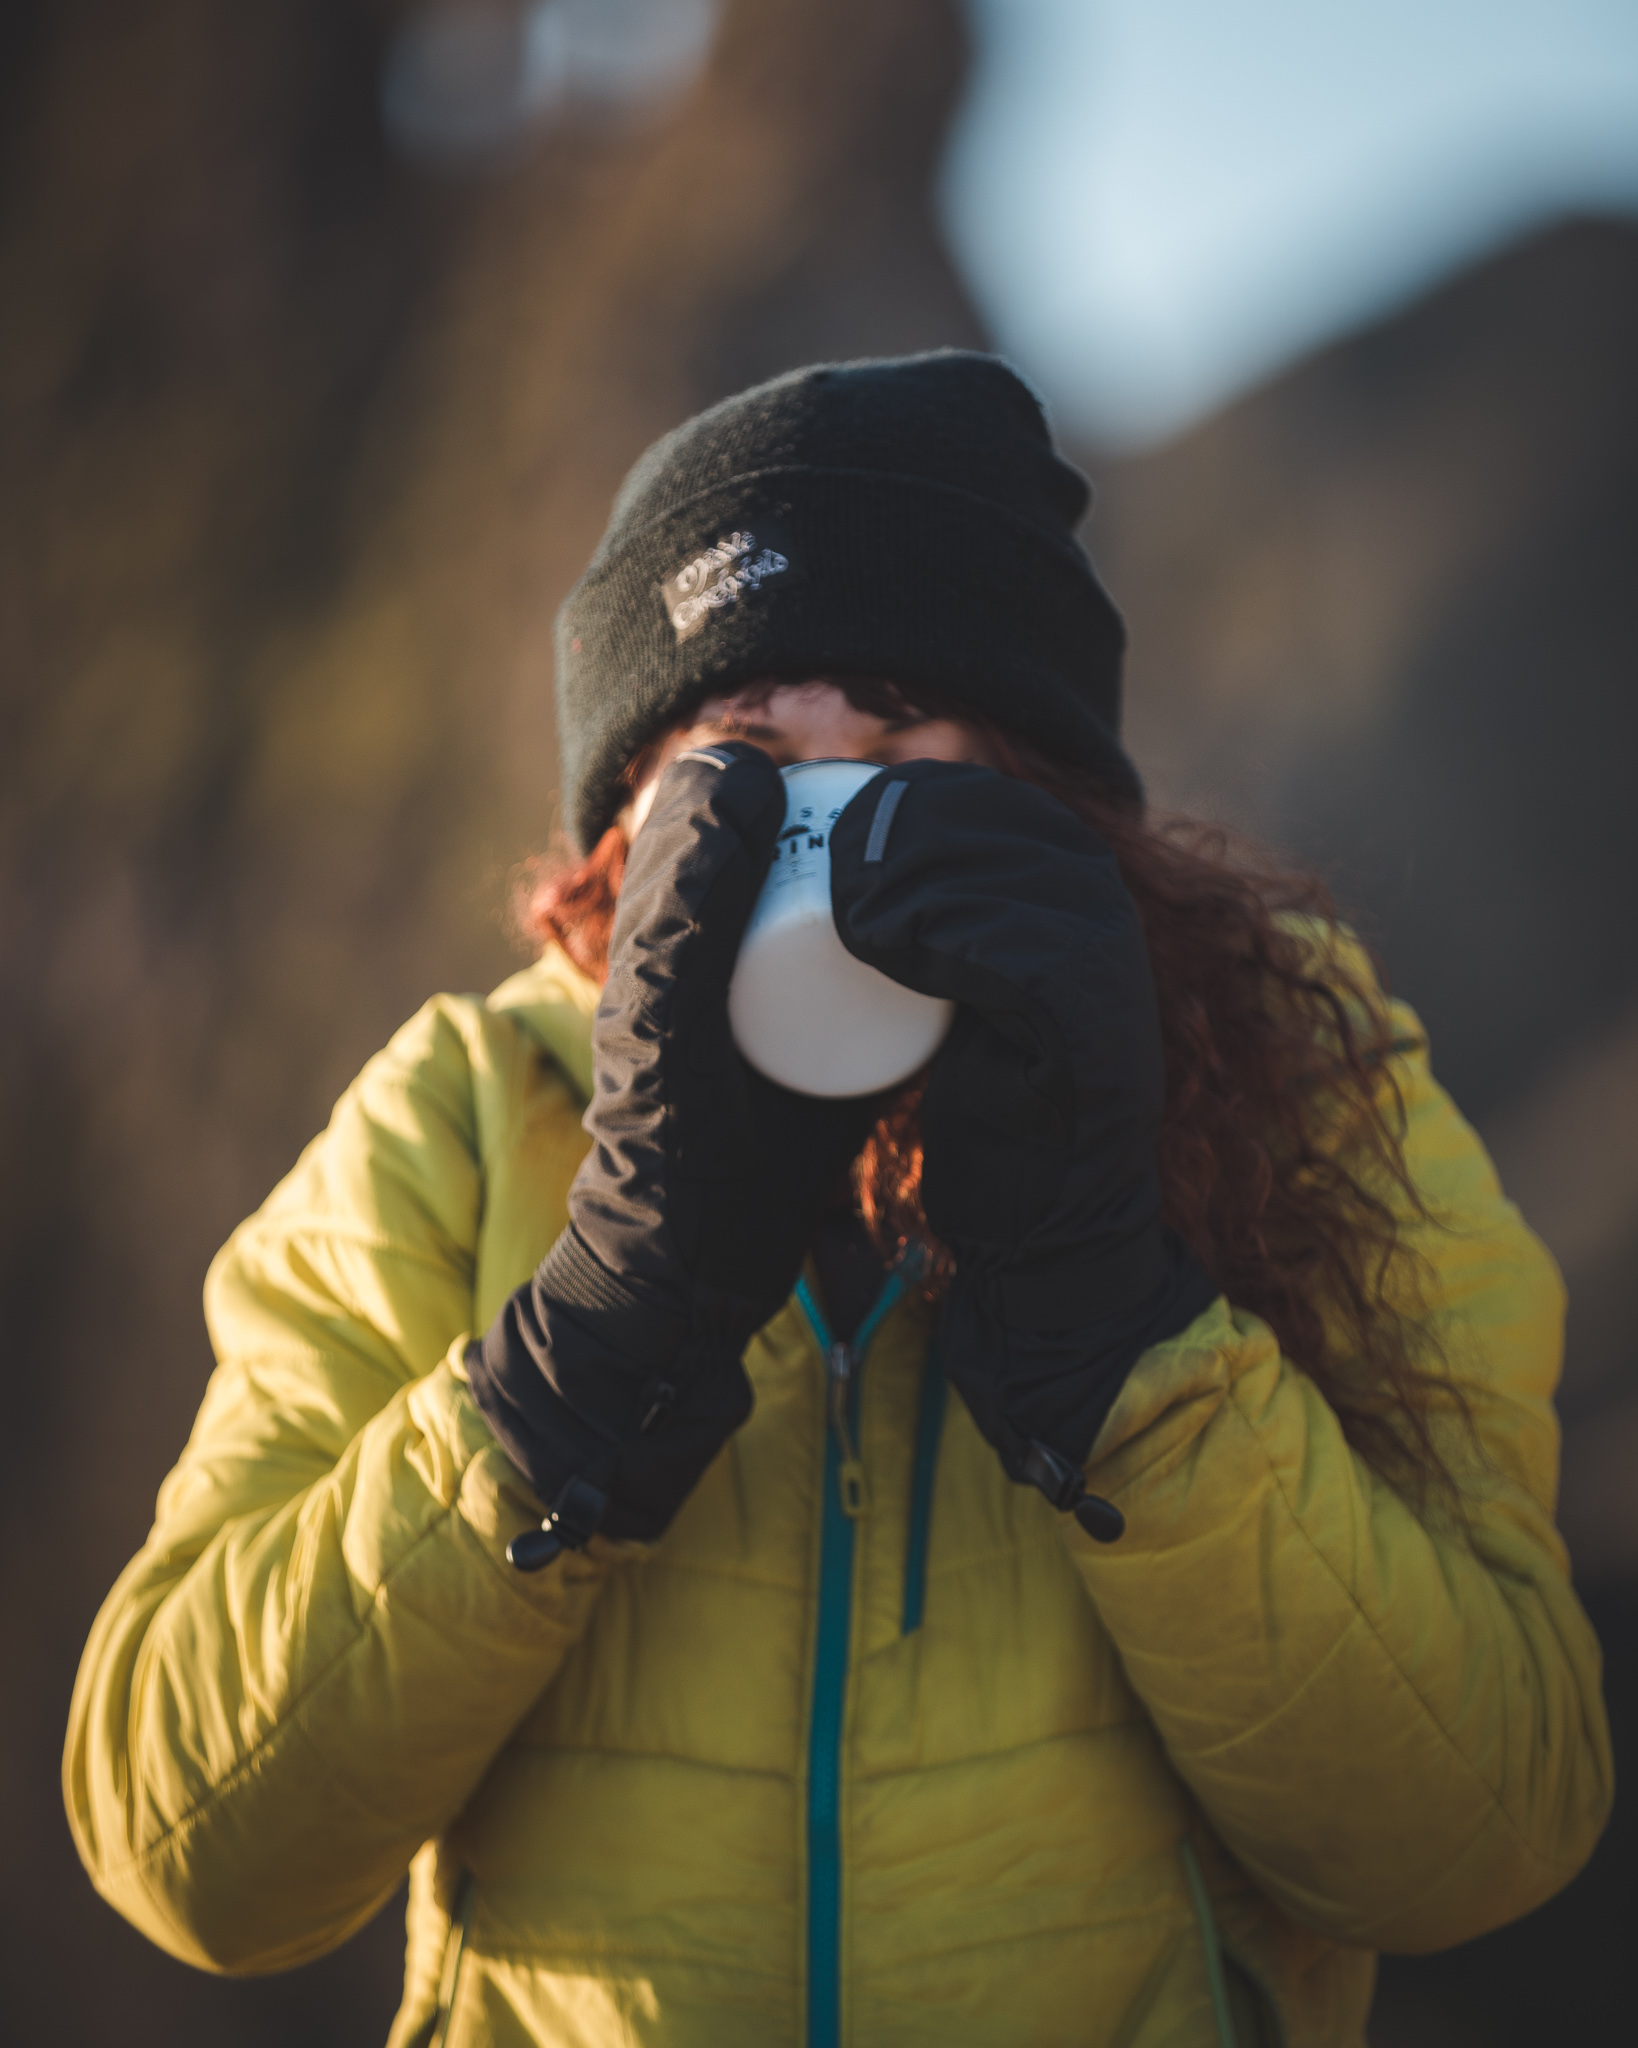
<point>1042,1107</point>
<point>613,1377</point>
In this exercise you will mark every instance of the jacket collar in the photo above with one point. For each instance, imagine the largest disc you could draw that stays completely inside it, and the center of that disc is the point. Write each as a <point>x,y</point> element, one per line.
<point>555,1004</point>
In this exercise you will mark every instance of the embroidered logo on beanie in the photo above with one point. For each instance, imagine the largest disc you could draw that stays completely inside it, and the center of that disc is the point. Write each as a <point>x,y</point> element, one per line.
<point>719,577</point>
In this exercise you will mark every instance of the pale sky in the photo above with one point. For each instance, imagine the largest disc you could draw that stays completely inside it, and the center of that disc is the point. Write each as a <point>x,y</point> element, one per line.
<point>1159,202</point>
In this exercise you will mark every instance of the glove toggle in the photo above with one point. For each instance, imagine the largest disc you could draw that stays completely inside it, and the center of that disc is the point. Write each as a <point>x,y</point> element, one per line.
<point>570,1524</point>
<point>1064,1486</point>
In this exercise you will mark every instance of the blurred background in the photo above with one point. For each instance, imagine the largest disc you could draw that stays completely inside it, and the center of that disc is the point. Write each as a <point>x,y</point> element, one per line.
<point>326,331</point>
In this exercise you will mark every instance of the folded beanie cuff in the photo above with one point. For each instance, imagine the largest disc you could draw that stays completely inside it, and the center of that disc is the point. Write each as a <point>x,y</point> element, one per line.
<point>834,571</point>
<point>764,538</point>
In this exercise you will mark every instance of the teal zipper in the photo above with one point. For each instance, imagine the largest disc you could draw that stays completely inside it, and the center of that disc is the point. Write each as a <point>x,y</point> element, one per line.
<point>844,1501</point>
<point>929,1432</point>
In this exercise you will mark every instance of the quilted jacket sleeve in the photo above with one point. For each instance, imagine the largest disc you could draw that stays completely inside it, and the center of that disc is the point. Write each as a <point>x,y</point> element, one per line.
<point>1393,1722</point>
<point>311,1663</point>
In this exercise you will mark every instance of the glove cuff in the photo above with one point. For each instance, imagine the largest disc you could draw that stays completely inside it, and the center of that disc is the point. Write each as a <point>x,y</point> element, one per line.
<point>1055,1383</point>
<point>634,1318</point>
<point>1071,1289</point>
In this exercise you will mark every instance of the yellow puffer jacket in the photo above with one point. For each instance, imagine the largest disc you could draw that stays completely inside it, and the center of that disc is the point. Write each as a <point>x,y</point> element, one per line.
<point>938,1771</point>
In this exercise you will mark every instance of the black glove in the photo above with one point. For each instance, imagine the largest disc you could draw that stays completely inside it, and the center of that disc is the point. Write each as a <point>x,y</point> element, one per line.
<point>613,1378</point>
<point>1041,1107</point>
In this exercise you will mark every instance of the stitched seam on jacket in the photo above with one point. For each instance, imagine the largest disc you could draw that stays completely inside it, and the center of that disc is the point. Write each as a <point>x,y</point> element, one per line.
<point>1161,1916</point>
<point>323,1231</point>
<point>522,1747</point>
<point>1219,1749</point>
<point>1021,1548</point>
<point>1176,1447</point>
<point>661,1563</point>
<point>977,1560</point>
<point>214,1793</point>
<point>314,1354</point>
<point>288,1955</point>
<point>280,1728</point>
<point>575,1958</point>
<point>1070,1928</point>
<point>977,1757</point>
<point>1450,1742</point>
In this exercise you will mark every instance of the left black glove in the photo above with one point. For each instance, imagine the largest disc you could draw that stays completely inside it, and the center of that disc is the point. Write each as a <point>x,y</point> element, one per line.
<point>613,1378</point>
<point>1041,1109</point>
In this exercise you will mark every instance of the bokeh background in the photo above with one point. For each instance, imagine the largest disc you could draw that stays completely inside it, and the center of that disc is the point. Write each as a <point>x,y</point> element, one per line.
<point>326,331</point>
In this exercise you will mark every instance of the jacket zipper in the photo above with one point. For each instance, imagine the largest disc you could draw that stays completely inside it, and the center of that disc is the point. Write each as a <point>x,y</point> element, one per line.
<point>845,1499</point>
<point>923,1477</point>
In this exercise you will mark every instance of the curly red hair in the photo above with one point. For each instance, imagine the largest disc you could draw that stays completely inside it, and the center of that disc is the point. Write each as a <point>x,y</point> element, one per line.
<point>1280,1152</point>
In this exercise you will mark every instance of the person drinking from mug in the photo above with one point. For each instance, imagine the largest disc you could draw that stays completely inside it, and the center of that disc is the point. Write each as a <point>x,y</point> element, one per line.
<point>1060,1550</point>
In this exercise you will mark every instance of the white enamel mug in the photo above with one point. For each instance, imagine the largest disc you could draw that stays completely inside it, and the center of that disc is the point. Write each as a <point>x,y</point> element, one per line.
<point>802,1009</point>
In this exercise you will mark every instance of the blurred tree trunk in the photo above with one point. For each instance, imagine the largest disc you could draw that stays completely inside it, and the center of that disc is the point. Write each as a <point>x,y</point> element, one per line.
<point>302,444</point>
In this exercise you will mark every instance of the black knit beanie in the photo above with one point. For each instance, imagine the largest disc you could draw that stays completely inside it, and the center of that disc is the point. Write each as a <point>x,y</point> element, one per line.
<point>905,517</point>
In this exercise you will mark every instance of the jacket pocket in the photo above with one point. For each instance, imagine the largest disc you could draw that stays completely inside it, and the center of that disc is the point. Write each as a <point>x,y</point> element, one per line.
<point>460,1920</point>
<point>1256,2023</point>
<point>1223,2014</point>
